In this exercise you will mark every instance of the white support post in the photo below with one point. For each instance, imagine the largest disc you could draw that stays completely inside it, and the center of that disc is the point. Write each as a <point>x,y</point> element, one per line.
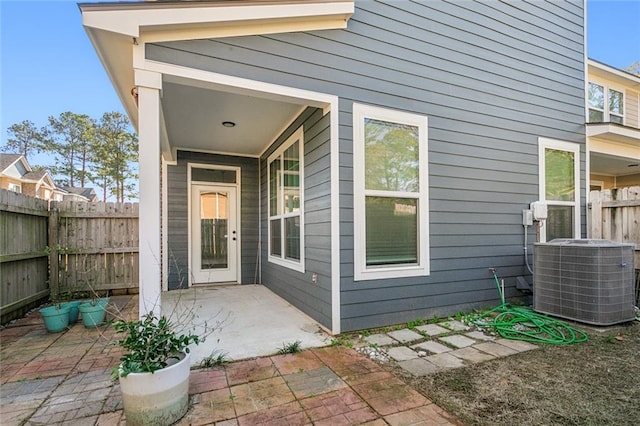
<point>149,85</point>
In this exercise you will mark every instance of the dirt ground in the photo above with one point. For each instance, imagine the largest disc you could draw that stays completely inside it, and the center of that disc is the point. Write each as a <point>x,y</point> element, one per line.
<point>592,383</point>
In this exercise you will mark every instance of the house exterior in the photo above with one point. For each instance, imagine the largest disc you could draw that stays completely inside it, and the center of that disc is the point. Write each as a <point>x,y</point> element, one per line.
<point>613,127</point>
<point>368,161</point>
<point>80,194</point>
<point>16,175</point>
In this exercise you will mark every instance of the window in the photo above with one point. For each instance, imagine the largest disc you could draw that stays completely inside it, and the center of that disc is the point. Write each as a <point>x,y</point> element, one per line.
<point>614,101</point>
<point>391,211</point>
<point>14,187</point>
<point>285,191</point>
<point>559,188</point>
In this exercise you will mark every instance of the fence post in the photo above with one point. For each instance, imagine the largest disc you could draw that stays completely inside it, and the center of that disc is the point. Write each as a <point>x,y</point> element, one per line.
<point>54,285</point>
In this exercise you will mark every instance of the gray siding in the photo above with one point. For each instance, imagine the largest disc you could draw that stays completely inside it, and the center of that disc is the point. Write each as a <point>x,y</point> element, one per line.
<point>178,225</point>
<point>297,287</point>
<point>491,76</point>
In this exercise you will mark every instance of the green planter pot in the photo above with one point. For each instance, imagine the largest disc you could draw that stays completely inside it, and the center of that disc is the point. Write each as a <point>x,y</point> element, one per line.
<point>73,310</point>
<point>93,314</point>
<point>56,318</point>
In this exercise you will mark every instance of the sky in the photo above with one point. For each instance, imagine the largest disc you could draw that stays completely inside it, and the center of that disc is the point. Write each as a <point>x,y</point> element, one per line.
<point>48,66</point>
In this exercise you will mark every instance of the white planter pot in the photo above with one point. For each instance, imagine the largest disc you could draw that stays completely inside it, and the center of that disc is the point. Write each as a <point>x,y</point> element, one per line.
<point>160,398</point>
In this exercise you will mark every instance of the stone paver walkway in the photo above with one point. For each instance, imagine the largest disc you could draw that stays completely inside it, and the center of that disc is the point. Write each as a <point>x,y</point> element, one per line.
<point>64,379</point>
<point>449,344</point>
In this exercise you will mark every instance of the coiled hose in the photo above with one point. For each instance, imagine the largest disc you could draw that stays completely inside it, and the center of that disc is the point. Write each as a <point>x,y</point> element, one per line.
<point>521,323</point>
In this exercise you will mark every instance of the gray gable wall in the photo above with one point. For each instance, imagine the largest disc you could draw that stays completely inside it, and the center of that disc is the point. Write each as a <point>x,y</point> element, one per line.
<point>491,76</point>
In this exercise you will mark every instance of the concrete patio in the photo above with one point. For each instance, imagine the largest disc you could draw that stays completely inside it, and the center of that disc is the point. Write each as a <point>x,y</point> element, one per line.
<point>64,378</point>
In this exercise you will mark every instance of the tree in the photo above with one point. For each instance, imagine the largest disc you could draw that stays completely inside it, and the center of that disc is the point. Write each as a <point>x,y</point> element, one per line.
<point>634,68</point>
<point>25,138</point>
<point>72,139</point>
<point>115,154</point>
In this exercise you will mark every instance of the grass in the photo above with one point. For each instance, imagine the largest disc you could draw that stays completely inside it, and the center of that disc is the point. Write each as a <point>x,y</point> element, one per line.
<point>215,359</point>
<point>290,348</point>
<point>591,383</point>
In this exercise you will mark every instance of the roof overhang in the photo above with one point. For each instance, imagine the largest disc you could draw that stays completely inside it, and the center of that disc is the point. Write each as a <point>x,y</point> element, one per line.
<point>598,69</point>
<point>116,28</point>
<point>614,132</point>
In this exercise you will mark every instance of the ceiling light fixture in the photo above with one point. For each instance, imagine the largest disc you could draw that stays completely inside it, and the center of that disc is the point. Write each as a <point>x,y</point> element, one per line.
<point>228,124</point>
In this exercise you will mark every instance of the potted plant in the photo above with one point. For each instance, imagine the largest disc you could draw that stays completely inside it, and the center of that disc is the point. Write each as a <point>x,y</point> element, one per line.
<point>154,371</point>
<point>55,317</point>
<point>94,311</point>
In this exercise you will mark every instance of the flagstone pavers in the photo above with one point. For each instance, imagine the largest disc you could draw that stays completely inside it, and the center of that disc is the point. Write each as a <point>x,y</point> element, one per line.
<point>380,339</point>
<point>432,329</point>
<point>433,347</point>
<point>402,353</point>
<point>445,360</point>
<point>457,340</point>
<point>419,367</point>
<point>405,335</point>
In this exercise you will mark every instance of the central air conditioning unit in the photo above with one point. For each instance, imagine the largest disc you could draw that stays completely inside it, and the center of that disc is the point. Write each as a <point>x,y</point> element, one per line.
<point>590,281</point>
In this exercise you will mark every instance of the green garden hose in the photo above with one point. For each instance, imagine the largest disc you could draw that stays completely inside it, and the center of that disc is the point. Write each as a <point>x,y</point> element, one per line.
<point>521,323</point>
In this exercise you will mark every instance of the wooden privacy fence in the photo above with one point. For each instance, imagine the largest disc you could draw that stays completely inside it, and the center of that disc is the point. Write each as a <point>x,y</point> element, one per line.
<point>96,246</point>
<point>23,253</point>
<point>615,216</point>
<point>63,247</point>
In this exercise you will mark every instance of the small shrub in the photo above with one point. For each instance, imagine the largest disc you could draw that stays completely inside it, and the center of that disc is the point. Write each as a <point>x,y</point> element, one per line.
<point>290,348</point>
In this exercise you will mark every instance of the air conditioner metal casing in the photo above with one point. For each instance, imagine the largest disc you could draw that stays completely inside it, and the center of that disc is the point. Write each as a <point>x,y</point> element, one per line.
<point>590,281</point>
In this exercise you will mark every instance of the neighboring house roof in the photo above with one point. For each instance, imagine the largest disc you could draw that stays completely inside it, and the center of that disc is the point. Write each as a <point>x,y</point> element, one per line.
<point>88,193</point>
<point>8,160</point>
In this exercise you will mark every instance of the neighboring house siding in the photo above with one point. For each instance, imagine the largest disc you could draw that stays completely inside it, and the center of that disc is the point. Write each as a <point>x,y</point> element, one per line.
<point>492,78</point>
<point>297,287</point>
<point>632,105</point>
<point>178,208</point>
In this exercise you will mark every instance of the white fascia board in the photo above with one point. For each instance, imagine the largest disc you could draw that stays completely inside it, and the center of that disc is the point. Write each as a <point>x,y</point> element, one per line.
<point>125,20</point>
<point>622,77</point>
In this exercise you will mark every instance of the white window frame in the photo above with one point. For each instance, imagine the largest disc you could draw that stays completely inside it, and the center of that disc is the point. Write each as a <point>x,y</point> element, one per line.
<point>361,270</point>
<point>15,187</point>
<point>297,136</point>
<point>606,113</point>
<point>543,145</point>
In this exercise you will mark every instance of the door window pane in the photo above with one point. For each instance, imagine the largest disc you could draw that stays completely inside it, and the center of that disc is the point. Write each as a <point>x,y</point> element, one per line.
<point>391,231</point>
<point>559,175</point>
<point>391,156</point>
<point>213,230</point>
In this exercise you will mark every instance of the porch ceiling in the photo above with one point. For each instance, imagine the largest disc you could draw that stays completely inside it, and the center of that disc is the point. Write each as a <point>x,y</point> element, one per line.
<point>194,115</point>
<point>610,165</point>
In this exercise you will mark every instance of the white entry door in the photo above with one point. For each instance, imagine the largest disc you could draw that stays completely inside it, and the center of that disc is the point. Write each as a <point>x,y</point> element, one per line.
<point>214,236</point>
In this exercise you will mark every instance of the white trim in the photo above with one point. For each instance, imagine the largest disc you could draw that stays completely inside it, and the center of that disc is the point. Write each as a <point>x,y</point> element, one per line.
<point>543,144</point>
<point>238,85</point>
<point>197,21</point>
<point>150,285</point>
<point>422,268</point>
<point>165,227</point>
<point>335,217</point>
<point>297,136</point>
<point>238,186</point>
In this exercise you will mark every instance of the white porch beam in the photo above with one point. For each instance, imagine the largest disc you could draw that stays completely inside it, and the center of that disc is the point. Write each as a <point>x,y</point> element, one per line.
<point>149,86</point>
